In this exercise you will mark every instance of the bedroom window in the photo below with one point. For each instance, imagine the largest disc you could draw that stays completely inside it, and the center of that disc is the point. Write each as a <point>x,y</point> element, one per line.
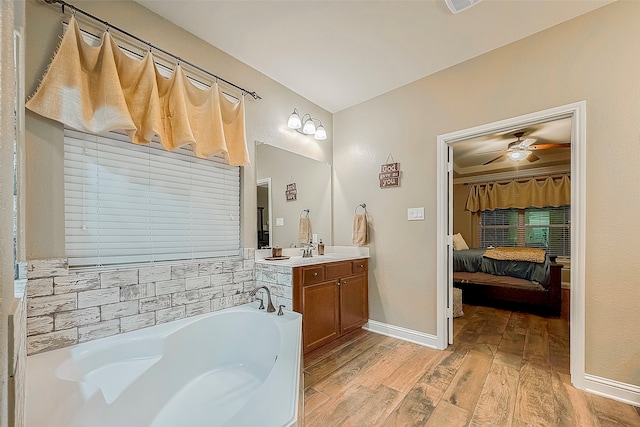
<point>545,228</point>
<point>127,203</point>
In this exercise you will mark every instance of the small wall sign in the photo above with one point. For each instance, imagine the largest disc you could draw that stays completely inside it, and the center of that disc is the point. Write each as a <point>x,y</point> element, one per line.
<point>291,192</point>
<point>389,175</point>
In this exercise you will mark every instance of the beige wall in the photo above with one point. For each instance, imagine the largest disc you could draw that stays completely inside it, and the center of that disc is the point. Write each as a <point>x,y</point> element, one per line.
<point>595,57</point>
<point>265,119</point>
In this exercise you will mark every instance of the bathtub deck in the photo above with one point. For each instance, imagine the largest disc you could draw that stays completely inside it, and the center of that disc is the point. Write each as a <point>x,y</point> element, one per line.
<point>505,368</point>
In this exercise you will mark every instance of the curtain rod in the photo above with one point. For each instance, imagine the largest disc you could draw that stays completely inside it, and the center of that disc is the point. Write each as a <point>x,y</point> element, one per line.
<point>151,46</point>
<point>521,180</point>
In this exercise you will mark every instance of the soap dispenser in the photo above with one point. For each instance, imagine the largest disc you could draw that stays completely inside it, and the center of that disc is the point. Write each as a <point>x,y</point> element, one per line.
<point>320,248</point>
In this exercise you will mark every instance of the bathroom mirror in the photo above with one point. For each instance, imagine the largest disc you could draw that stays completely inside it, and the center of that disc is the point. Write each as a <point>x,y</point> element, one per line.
<point>278,218</point>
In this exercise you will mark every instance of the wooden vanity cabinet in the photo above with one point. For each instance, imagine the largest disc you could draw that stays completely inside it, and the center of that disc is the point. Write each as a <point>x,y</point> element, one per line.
<point>332,298</point>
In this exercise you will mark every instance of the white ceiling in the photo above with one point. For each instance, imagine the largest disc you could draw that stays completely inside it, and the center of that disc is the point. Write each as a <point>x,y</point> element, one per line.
<point>340,53</point>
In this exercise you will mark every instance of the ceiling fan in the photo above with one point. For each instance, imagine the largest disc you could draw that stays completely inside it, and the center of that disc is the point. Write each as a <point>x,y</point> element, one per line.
<point>520,150</point>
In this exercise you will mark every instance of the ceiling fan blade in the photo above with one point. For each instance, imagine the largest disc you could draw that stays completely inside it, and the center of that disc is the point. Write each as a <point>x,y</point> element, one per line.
<point>528,142</point>
<point>494,159</point>
<point>532,158</point>
<point>548,146</point>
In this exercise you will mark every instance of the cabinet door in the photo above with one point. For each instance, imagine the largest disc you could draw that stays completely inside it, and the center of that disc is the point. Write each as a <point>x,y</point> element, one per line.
<point>353,303</point>
<point>320,314</point>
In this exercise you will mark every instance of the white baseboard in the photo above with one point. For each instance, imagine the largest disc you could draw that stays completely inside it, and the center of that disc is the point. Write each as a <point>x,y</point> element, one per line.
<point>622,392</point>
<point>410,335</point>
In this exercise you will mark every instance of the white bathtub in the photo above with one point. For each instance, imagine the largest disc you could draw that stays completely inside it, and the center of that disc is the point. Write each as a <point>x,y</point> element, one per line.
<point>235,367</point>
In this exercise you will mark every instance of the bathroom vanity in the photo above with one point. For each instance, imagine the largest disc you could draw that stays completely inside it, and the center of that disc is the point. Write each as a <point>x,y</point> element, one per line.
<point>330,291</point>
<point>332,298</point>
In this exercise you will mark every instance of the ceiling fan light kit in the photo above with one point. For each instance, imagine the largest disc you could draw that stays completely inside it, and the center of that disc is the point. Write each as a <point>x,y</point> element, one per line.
<point>516,154</point>
<point>521,150</point>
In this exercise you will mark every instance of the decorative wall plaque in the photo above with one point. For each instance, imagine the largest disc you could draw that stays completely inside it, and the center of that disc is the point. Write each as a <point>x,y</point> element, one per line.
<point>389,175</point>
<point>291,192</point>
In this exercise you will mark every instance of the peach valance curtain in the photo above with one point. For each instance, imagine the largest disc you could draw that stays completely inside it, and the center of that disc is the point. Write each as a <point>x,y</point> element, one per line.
<point>100,89</point>
<point>521,195</point>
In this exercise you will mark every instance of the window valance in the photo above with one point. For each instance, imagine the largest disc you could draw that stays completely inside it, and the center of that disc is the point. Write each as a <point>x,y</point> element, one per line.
<point>101,89</point>
<point>521,195</point>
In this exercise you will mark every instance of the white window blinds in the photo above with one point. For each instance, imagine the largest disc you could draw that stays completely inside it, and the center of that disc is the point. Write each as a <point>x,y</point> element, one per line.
<point>545,228</point>
<point>127,203</point>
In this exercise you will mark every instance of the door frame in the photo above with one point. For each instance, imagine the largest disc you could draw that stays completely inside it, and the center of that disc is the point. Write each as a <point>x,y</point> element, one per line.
<point>266,182</point>
<point>577,111</point>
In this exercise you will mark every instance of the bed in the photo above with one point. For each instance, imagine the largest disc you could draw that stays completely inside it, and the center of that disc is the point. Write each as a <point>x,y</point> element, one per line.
<point>502,277</point>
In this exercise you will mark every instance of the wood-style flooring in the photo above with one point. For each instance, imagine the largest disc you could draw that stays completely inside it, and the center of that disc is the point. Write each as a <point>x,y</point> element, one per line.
<point>505,369</point>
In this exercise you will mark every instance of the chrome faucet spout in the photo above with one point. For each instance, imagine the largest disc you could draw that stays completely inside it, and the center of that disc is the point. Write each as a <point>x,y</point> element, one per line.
<point>307,252</point>
<point>270,307</point>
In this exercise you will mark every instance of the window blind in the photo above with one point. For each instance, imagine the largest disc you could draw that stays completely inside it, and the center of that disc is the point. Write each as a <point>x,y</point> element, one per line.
<point>545,228</point>
<point>127,203</point>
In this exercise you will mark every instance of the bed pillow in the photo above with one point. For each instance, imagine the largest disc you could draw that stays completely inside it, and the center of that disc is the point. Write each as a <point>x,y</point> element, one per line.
<point>458,242</point>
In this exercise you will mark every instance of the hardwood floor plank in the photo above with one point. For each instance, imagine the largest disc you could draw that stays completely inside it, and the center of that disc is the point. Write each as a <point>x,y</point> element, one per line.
<point>335,411</point>
<point>559,346</point>
<point>377,409</point>
<point>572,406</point>
<point>467,384</point>
<point>497,401</point>
<point>612,413</point>
<point>447,414</point>
<point>440,377</point>
<point>333,347</point>
<point>497,323</point>
<point>514,344</point>
<point>348,376</point>
<point>338,359</point>
<point>517,325</point>
<point>416,407</point>
<point>407,374</point>
<point>313,398</point>
<point>535,405</point>
<point>536,346</point>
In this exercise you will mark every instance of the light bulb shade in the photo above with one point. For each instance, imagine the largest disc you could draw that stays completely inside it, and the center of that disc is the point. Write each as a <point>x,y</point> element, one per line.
<point>321,133</point>
<point>309,128</point>
<point>518,154</point>
<point>294,120</point>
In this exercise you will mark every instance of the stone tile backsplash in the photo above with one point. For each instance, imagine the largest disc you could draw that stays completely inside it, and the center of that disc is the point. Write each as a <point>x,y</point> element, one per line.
<point>279,280</point>
<point>66,308</point>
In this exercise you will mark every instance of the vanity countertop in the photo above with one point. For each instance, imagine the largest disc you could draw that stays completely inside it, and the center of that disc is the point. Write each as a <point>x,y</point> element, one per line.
<point>332,254</point>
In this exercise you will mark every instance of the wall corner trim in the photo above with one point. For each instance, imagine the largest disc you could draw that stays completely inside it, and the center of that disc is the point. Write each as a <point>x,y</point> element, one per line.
<point>404,334</point>
<point>622,392</point>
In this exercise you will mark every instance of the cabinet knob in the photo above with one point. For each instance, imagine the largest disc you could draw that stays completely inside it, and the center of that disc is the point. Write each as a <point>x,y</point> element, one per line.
<point>361,265</point>
<point>315,273</point>
<point>339,283</point>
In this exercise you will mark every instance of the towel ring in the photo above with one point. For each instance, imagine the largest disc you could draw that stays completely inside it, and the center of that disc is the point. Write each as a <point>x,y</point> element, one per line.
<point>361,205</point>
<point>303,212</point>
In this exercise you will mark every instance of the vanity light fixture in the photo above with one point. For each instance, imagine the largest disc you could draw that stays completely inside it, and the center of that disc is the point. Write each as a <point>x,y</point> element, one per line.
<point>307,125</point>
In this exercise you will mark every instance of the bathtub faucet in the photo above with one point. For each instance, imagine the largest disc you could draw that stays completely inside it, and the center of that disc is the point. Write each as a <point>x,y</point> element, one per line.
<point>270,307</point>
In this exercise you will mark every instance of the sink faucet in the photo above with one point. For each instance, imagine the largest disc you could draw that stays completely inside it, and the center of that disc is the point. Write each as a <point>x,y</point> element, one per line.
<point>270,307</point>
<point>307,251</point>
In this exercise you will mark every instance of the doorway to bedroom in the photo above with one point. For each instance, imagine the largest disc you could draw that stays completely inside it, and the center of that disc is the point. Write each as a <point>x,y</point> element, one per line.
<point>511,190</point>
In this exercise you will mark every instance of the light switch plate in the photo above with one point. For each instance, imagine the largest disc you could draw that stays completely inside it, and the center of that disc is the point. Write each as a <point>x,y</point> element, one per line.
<point>415,214</point>
<point>279,222</point>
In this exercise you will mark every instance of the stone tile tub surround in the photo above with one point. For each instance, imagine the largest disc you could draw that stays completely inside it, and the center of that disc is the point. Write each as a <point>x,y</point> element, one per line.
<point>66,307</point>
<point>277,275</point>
